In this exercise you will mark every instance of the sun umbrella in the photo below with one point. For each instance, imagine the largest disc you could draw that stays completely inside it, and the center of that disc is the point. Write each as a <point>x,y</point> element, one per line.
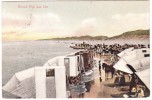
<point>144,77</point>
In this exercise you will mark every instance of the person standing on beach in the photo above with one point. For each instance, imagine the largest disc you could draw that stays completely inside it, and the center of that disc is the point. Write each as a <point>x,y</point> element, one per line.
<point>117,79</point>
<point>122,79</point>
<point>112,70</point>
<point>100,67</point>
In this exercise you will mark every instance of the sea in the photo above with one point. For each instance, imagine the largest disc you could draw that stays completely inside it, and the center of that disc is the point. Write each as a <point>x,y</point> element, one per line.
<point>21,55</point>
<point>18,56</point>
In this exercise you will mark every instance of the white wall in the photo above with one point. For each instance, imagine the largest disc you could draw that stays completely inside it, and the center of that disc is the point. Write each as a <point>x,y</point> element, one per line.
<point>60,81</point>
<point>40,82</point>
<point>73,66</point>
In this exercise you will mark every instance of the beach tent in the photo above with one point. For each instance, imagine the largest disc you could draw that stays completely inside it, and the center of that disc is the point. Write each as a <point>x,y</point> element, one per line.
<point>141,64</point>
<point>34,83</point>
<point>137,63</point>
<point>139,52</point>
<point>144,77</point>
<point>122,66</point>
<point>125,51</point>
<point>22,84</point>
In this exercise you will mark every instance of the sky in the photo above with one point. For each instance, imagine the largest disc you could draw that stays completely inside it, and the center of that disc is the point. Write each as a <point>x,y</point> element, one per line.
<point>42,20</point>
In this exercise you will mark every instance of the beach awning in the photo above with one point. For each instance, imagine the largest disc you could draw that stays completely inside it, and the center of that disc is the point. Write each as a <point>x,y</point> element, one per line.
<point>140,65</point>
<point>145,77</point>
<point>136,62</point>
<point>125,51</point>
<point>121,65</point>
<point>139,52</point>
<point>22,84</point>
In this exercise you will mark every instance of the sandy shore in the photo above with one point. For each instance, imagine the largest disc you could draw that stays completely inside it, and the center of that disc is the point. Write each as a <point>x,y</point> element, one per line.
<point>105,89</point>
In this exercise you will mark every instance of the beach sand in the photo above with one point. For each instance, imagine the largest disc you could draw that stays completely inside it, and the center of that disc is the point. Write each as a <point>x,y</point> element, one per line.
<point>105,89</point>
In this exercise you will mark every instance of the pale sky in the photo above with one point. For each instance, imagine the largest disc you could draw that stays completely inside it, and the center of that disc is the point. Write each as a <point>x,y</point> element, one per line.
<point>72,18</point>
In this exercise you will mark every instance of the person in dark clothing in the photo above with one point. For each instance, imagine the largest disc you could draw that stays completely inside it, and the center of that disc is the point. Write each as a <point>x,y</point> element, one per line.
<point>107,69</point>
<point>100,67</point>
<point>133,83</point>
<point>100,79</point>
<point>112,70</point>
<point>122,80</point>
<point>116,81</point>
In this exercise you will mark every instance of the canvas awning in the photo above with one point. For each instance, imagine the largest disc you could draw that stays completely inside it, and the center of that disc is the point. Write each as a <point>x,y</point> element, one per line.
<point>131,51</point>
<point>121,65</point>
<point>145,77</point>
<point>125,51</point>
<point>22,84</point>
<point>140,65</point>
<point>137,63</point>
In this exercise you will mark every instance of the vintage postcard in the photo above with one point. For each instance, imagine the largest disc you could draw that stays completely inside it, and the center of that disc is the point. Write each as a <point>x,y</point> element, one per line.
<point>75,49</point>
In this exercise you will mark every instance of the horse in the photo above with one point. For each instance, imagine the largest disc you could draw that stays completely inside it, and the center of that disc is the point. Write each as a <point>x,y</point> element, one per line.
<point>108,68</point>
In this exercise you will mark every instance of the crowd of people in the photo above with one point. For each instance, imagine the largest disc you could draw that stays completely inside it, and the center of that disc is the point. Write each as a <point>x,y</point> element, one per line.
<point>114,49</point>
<point>136,87</point>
